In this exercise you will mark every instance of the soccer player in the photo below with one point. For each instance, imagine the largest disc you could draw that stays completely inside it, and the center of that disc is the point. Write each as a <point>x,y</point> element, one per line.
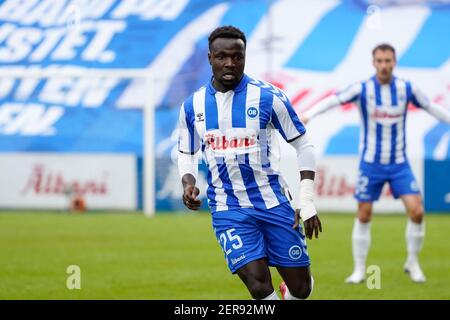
<point>231,120</point>
<point>383,103</point>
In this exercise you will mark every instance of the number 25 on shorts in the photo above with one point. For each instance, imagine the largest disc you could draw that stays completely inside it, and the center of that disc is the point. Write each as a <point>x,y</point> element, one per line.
<point>235,240</point>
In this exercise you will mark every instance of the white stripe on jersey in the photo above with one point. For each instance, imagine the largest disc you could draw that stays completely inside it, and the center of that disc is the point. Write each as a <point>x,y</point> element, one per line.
<point>199,111</point>
<point>183,142</point>
<point>371,124</point>
<point>385,156</point>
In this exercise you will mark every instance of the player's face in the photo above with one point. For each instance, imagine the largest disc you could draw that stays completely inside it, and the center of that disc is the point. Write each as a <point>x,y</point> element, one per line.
<point>227,59</point>
<point>384,62</point>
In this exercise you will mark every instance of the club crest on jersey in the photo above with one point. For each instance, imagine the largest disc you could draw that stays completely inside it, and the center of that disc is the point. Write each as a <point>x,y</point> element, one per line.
<point>252,112</point>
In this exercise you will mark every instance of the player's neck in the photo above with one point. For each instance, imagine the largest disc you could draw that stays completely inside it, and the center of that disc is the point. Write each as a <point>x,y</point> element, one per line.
<point>220,87</point>
<point>384,80</point>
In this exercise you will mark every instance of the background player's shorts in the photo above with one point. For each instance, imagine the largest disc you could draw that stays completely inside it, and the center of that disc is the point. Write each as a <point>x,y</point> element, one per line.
<point>247,234</point>
<point>372,177</point>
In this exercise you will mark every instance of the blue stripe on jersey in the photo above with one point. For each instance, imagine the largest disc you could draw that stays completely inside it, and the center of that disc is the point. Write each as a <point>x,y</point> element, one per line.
<point>297,123</point>
<point>189,112</point>
<point>211,114</point>
<point>277,125</point>
<point>250,184</point>
<point>238,116</point>
<point>408,92</point>
<point>364,116</point>
<point>393,142</point>
<point>210,193</point>
<point>276,188</point>
<point>379,130</point>
<point>246,159</point>
<point>393,88</point>
<point>264,148</point>
<point>232,200</point>
<point>265,108</point>
<point>377,92</point>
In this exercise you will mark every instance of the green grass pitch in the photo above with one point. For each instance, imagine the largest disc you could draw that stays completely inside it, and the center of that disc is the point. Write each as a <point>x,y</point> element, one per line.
<point>176,256</point>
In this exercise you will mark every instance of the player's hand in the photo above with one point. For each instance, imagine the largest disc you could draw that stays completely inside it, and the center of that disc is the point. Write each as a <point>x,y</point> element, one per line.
<point>304,119</point>
<point>312,225</point>
<point>190,200</point>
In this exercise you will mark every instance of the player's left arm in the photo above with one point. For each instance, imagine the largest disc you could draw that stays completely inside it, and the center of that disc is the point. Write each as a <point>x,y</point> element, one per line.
<point>419,99</point>
<point>285,119</point>
<point>305,208</point>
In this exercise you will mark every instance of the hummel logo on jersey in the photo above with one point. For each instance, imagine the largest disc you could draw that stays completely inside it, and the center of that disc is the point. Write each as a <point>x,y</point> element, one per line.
<point>200,117</point>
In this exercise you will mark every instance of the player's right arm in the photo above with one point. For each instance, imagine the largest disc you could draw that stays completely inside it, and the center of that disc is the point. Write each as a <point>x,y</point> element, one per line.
<point>349,94</point>
<point>188,146</point>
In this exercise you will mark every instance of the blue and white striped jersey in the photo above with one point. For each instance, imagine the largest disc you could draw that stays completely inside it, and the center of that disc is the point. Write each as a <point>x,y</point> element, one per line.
<point>235,133</point>
<point>383,109</point>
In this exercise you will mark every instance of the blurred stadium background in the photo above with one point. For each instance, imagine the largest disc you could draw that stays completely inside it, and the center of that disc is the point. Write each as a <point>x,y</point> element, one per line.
<point>89,99</point>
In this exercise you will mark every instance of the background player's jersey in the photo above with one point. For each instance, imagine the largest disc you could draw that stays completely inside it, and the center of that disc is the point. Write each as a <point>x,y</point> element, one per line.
<point>235,133</point>
<point>383,109</point>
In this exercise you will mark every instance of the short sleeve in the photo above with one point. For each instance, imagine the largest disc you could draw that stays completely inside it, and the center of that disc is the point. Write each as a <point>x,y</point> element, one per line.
<point>285,119</point>
<point>188,138</point>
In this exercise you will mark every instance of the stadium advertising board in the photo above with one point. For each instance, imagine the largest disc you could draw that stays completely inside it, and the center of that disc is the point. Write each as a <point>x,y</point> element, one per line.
<point>51,181</point>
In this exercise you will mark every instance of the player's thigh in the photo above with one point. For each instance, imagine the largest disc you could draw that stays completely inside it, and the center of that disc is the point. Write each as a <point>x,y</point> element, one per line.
<point>402,181</point>
<point>256,275</point>
<point>371,178</point>
<point>286,247</point>
<point>239,236</point>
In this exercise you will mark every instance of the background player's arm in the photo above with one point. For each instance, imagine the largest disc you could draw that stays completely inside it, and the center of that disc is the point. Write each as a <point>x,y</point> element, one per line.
<point>321,107</point>
<point>420,100</point>
<point>349,94</point>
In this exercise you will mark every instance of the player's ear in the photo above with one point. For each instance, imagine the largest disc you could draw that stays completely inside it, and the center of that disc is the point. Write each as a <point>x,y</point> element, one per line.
<point>209,58</point>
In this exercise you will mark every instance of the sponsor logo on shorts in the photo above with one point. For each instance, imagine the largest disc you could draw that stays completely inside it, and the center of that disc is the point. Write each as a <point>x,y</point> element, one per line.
<point>236,260</point>
<point>295,252</point>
